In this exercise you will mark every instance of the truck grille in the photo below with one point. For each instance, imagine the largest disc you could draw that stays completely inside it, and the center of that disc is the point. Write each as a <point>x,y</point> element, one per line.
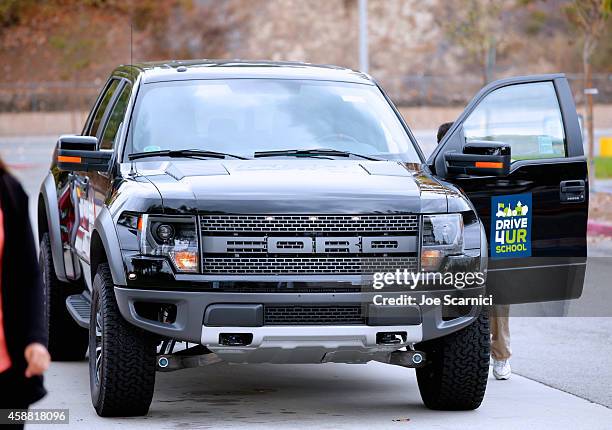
<point>308,244</point>
<point>313,315</point>
<point>306,265</point>
<point>327,224</point>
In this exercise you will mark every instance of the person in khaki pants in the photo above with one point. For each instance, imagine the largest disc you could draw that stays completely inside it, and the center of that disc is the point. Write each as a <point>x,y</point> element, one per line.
<point>499,317</point>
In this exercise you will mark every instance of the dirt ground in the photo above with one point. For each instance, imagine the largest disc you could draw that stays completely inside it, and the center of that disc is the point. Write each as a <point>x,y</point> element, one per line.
<point>41,123</point>
<point>55,123</point>
<point>431,117</point>
<point>600,207</point>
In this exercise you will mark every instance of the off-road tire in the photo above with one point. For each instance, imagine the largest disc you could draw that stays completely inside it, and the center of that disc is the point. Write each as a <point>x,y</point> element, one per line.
<point>67,340</point>
<point>126,379</point>
<point>455,378</point>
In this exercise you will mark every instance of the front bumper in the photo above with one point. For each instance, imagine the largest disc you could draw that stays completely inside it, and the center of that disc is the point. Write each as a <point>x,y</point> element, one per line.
<point>294,343</point>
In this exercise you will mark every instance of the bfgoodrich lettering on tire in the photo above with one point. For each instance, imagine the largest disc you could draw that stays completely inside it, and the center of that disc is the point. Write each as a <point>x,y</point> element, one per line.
<point>67,340</point>
<point>121,356</point>
<point>456,376</point>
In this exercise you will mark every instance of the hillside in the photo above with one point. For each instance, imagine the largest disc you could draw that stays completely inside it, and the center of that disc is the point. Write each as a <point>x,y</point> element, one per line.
<point>67,47</point>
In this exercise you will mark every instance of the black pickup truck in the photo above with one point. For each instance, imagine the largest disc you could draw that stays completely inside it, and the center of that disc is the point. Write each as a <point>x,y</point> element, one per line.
<point>239,211</point>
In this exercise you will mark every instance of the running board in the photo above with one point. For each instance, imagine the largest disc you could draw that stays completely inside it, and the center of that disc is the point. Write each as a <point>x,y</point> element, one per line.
<point>79,308</point>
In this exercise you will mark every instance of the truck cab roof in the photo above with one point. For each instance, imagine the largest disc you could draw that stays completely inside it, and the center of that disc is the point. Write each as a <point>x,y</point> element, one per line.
<point>177,70</point>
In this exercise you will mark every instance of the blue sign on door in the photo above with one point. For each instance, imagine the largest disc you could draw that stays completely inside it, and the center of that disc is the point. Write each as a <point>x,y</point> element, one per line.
<point>511,226</point>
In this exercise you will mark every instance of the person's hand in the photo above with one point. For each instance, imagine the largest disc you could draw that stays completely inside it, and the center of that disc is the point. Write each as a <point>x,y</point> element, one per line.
<point>38,359</point>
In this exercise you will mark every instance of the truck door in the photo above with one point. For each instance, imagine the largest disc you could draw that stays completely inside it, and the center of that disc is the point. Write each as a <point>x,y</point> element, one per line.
<point>517,152</point>
<point>84,193</point>
<point>100,182</point>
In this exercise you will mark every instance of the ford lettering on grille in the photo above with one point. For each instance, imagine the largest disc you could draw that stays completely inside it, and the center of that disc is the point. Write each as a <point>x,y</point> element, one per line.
<point>309,245</point>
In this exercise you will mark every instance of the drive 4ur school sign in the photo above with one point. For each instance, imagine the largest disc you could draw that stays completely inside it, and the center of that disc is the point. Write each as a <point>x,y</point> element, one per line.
<point>511,226</point>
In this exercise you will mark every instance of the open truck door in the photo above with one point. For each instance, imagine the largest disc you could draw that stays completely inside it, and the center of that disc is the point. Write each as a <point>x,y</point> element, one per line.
<point>517,152</point>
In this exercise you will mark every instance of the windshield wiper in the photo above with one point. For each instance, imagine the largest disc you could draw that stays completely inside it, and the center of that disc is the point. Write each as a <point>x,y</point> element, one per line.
<point>183,153</point>
<point>312,153</point>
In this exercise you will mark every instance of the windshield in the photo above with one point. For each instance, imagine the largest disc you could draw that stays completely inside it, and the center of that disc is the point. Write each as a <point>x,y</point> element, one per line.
<point>244,116</point>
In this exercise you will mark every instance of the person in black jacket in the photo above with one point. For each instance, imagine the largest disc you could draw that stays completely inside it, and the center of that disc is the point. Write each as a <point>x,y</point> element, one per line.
<point>23,354</point>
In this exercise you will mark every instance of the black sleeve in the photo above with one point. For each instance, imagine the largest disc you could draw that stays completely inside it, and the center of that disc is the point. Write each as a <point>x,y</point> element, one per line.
<point>35,329</point>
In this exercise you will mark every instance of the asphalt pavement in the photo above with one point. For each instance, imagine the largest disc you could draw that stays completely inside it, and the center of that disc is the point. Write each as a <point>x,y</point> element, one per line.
<point>328,396</point>
<point>562,379</point>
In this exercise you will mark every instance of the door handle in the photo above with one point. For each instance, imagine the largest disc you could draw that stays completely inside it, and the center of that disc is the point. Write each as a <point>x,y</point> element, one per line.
<point>572,191</point>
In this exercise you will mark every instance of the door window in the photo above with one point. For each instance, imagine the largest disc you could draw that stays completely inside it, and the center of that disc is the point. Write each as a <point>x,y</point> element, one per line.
<point>101,108</point>
<point>115,118</point>
<point>526,116</point>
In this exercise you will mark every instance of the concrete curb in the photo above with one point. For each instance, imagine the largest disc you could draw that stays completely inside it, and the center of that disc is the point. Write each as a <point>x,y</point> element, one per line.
<point>599,228</point>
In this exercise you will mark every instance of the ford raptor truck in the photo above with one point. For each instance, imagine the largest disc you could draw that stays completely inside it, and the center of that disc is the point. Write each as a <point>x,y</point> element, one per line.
<point>228,211</point>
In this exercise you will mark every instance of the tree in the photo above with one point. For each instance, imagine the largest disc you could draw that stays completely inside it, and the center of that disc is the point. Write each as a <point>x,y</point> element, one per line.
<point>477,27</point>
<point>589,17</point>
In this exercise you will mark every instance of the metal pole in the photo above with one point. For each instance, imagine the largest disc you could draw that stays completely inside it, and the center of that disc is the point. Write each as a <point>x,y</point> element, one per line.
<point>591,140</point>
<point>364,64</point>
<point>589,92</point>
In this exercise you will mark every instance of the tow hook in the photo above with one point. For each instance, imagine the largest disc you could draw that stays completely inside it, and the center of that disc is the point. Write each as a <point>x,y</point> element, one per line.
<point>410,358</point>
<point>391,338</point>
<point>172,362</point>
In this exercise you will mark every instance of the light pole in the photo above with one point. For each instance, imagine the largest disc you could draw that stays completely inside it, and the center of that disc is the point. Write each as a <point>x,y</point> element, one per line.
<point>364,64</point>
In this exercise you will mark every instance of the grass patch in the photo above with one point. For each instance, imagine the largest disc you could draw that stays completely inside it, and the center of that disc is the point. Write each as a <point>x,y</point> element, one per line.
<point>603,167</point>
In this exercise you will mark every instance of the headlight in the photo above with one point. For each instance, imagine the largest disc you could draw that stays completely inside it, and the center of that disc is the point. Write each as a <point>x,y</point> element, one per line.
<point>165,232</point>
<point>442,236</point>
<point>172,237</point>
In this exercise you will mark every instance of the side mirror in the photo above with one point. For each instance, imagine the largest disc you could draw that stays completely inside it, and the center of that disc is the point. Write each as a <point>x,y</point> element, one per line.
<point>480,158</point>
<point>81,154</point>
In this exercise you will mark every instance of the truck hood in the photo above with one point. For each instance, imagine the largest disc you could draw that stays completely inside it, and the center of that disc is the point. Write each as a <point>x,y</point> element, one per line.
<point>294,186</point>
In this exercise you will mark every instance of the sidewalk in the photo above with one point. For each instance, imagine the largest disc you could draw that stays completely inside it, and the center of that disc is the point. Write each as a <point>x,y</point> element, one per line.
<point>603,185</point>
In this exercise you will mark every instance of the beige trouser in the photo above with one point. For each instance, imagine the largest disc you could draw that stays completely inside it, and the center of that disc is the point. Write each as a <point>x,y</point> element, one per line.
<point>500,332</point>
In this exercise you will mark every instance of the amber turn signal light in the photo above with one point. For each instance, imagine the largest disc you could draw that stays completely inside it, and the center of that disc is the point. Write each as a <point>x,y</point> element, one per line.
<point>68,159</point>
<point>489,165</point>
<point>186,261</point>
<point>431,259</point>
